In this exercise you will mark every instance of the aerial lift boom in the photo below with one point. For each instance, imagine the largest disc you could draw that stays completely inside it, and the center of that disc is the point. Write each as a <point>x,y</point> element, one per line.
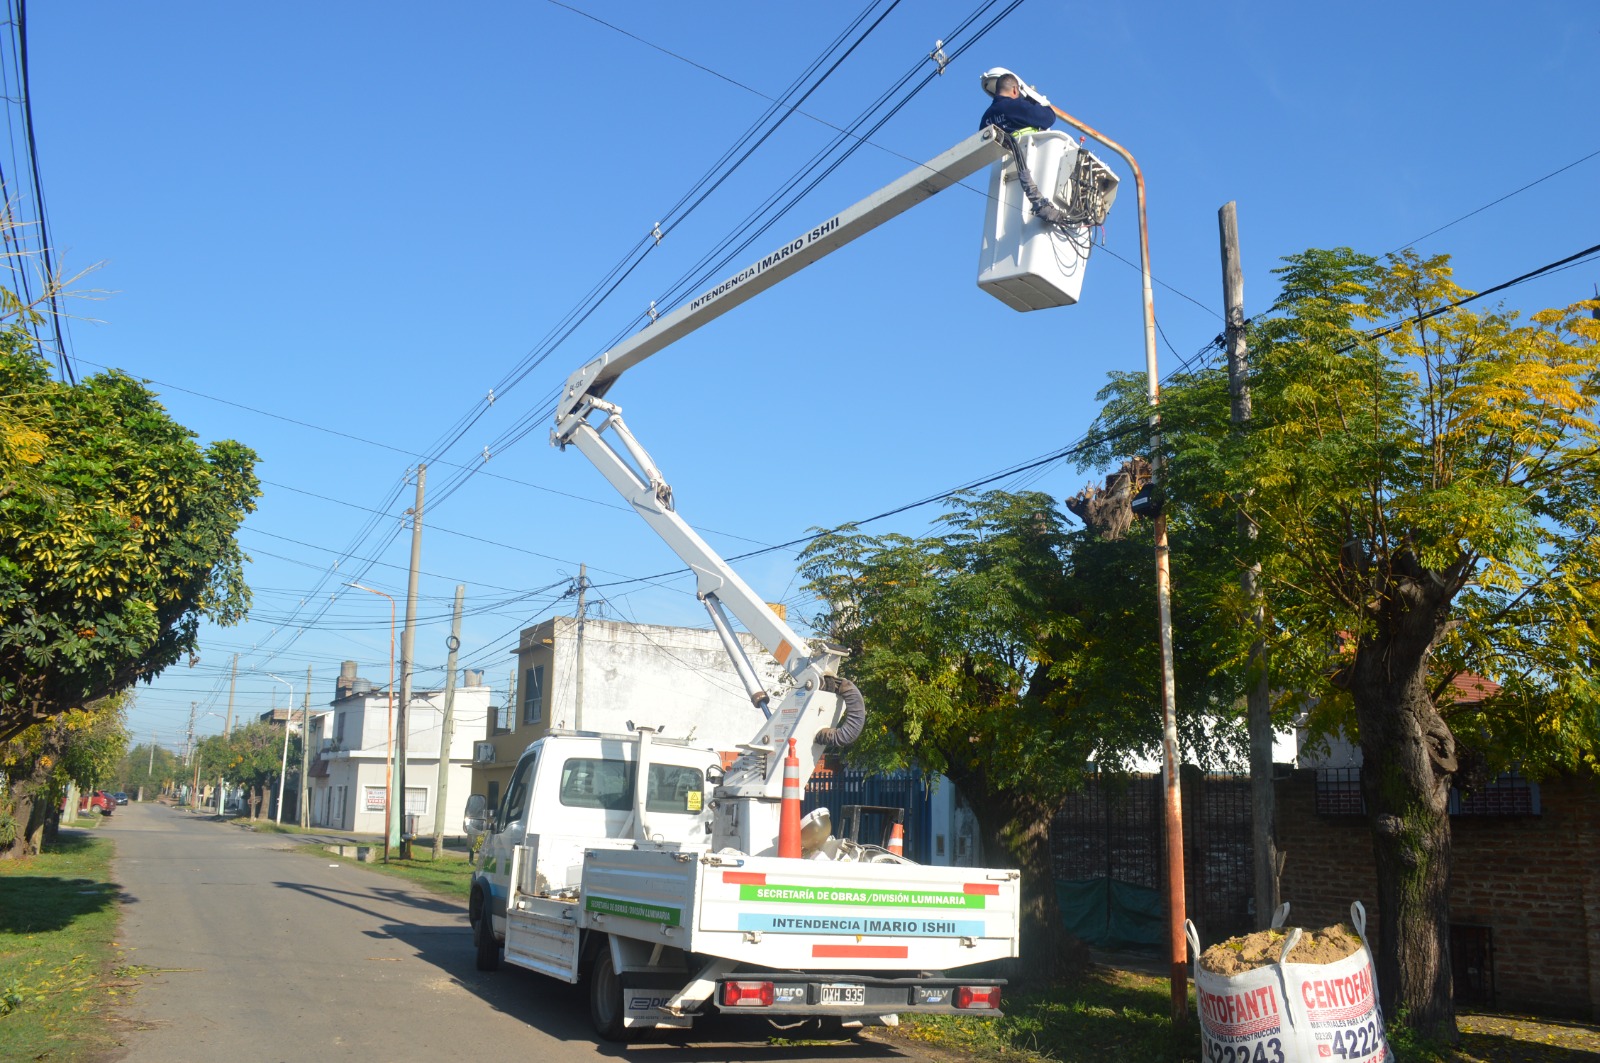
<point>747,803</point>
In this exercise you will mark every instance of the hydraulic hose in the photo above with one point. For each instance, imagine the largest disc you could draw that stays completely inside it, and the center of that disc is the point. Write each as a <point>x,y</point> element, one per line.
<point>855,713</point>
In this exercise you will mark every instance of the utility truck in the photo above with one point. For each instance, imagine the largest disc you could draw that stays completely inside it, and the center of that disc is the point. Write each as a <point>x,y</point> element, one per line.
<point>679,888</point>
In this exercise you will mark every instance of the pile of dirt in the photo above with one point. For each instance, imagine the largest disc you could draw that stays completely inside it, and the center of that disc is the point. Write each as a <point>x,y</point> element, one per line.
<point>1240,954</point>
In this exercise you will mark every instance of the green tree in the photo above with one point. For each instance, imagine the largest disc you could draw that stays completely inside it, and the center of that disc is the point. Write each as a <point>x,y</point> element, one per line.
<point>250,757</point>
<point>80,747</point>
<point>1006,653</point>
<point>116,537</point>
<point>150,768</point>
<point>1425,500</point>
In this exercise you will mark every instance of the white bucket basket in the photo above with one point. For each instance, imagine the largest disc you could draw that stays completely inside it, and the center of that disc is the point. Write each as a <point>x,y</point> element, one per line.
<point>1292,1012</point>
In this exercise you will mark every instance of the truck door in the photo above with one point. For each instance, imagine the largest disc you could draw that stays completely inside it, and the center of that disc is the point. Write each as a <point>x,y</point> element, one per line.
<point>510,828</point>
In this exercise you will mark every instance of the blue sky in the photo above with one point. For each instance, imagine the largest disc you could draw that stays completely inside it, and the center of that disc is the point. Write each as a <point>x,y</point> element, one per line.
<point>329,230</point>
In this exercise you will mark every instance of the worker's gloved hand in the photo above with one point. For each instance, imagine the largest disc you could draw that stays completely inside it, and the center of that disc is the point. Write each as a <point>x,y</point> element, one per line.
<point>1035,95</point>
<point>830,683</point>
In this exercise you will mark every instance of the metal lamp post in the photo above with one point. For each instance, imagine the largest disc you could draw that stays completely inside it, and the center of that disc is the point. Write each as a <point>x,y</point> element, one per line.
<point>1169,727</point>
<point>283,770</point>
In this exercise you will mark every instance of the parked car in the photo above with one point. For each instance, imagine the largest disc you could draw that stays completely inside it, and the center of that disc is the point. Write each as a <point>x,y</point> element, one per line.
<point>97,801</point>
<point>120,797</point>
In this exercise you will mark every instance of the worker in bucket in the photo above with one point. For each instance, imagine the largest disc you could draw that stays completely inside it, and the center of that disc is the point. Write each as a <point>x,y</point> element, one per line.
<point>1017,108</point>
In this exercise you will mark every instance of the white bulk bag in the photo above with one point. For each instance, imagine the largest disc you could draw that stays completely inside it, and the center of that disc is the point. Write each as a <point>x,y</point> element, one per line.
<point>1292,1012</point>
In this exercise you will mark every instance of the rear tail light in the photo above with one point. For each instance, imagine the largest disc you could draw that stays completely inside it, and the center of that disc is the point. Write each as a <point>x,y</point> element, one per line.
<point>747,994</point>
<point>978,996</point>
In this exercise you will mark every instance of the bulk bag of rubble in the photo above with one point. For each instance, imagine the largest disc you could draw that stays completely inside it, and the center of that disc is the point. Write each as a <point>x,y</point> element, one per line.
<point>1290,996</point>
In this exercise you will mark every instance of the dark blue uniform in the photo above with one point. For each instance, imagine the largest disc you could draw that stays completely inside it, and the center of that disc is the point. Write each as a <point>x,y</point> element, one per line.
<point>1019,113</point>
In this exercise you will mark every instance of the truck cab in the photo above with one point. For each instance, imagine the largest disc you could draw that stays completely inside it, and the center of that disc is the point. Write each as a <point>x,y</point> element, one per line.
<point>574,792</point>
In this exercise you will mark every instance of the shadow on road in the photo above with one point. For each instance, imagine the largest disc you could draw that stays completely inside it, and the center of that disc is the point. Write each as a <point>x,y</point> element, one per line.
<point>560,1010</point>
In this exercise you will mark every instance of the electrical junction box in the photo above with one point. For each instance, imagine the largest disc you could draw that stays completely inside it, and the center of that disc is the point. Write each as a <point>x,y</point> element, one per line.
<point>1027,263</point>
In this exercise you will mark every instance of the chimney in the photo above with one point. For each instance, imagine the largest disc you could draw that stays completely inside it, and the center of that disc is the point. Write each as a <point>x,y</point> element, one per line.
<point>345,684</point>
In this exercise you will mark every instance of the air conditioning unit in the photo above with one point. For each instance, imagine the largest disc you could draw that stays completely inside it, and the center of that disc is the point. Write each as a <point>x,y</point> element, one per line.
<point>483,753</point>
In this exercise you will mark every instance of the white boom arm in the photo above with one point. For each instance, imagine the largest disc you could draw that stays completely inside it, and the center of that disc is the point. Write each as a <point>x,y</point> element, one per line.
<point>749,821</point>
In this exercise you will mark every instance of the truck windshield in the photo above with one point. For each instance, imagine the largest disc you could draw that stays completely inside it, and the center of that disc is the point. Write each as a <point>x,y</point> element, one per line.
<point>590,782</point>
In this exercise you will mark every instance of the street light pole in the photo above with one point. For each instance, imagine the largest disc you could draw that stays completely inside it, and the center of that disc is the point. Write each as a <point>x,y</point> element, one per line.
<point>391,833</point>
<point>1169,695</point>
<point>284,768</point>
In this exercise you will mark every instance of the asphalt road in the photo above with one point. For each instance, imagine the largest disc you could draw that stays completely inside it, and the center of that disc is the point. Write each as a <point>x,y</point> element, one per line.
<point>254,951</point>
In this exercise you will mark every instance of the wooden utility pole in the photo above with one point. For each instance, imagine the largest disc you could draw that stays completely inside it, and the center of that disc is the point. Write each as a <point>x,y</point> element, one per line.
<point>305,755</point>
<point>1258,713</point>
<point>408,639</point>
<point>577,709</point>
<point>447,726</point>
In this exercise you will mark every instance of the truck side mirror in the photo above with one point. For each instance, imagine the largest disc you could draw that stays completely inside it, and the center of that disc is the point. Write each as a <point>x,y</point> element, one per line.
<point>478,816</point>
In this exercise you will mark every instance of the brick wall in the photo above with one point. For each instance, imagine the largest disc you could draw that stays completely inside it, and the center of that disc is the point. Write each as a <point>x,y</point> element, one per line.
<point>1533,879</point>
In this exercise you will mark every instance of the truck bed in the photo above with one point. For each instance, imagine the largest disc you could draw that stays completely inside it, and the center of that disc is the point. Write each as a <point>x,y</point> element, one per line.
<point>804,914</point>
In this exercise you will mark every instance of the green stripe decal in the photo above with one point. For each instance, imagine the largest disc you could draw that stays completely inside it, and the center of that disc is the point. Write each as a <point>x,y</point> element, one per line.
<point>649,913</point>
<point>846,895</point>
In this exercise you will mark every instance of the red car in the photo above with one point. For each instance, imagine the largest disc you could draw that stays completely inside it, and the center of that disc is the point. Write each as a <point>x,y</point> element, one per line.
<point>97,801</point>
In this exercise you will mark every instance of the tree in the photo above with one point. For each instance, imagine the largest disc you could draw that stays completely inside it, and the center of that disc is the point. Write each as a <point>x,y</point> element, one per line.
<point>252,757</point>
<point>1425,498</point>
<point>116,537</point>
<point>150,768</point>
<point>78,747</point>
<point>1006,653</point>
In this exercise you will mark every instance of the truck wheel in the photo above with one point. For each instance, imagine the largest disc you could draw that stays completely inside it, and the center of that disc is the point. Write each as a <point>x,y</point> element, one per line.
<point>483,934</point>
<point>605,996</point>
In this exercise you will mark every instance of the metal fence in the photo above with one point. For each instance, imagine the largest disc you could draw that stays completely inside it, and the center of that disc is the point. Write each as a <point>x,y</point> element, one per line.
<point>834,788</point>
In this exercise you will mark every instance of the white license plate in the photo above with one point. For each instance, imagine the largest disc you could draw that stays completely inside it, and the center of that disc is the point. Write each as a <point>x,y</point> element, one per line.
<point>844,994</point>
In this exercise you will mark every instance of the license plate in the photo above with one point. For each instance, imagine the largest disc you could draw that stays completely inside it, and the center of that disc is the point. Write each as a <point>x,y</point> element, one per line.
<point>844,994</point>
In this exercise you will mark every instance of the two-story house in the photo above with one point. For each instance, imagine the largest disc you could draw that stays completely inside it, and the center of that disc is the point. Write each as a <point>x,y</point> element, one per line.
<point>351,778</point>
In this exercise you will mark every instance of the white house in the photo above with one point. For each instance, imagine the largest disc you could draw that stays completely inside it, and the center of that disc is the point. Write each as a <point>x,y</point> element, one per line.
<point>351,779</point>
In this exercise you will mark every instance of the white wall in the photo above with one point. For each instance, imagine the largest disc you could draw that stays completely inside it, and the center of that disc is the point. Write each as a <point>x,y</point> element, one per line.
<point>675,677</point>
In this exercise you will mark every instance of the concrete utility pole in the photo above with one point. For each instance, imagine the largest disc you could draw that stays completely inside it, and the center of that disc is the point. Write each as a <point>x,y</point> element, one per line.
<point>577,709</point>
<point>447,727</point>
<point>233,681</point>
<point>188,744</point>
<point>408,639</point>
<point>305,755</point>
<point>1258,713</point>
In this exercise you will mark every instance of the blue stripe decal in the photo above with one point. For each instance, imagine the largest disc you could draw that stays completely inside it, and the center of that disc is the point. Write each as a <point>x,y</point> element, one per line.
<point>860,924</point>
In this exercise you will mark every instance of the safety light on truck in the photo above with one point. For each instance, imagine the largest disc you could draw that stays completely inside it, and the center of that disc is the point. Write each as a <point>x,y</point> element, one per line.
<point>977,996</point>
<point>747,994</point>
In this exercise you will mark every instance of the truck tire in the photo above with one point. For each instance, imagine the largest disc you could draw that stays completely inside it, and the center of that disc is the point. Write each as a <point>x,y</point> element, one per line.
<point>483,934</point>
<point>605,996</point>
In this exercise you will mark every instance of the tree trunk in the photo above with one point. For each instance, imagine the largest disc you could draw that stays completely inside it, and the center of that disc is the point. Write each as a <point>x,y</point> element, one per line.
<point>1016,831</point>
<point>1408,756</point>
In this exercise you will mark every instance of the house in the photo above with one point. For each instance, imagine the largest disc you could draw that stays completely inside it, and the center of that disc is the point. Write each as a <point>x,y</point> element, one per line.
<point>350,779</point>
<point>678,678</point>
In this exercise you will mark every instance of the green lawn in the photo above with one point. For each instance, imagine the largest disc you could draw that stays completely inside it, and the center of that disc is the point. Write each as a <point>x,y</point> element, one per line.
<point>1109,1014</point>
<point>58,920</point>
<point>1119,1015</point>
<point>450,875</point>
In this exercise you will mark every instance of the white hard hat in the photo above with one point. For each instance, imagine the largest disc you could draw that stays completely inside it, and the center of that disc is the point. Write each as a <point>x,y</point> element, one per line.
<point>991,79</point>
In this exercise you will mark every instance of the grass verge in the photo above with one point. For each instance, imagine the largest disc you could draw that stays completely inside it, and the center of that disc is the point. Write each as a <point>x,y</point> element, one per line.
<point>58,920</point>
<point>1116,1014</point>
<point>449,876</point>
<point>1108,1014</point>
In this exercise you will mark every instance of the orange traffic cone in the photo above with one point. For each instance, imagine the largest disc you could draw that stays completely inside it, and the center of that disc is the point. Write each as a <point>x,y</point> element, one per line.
<point>789,813</point>
<point>897,840</point>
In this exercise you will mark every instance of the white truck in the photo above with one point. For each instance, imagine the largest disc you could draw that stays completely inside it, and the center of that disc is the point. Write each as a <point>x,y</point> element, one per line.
<point>637,863</point>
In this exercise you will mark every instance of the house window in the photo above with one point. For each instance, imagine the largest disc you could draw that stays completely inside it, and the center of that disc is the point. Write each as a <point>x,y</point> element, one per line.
<point>373,798</point>
<point>533,695</point>
<point>338,729</point>
<point>417,799</point>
